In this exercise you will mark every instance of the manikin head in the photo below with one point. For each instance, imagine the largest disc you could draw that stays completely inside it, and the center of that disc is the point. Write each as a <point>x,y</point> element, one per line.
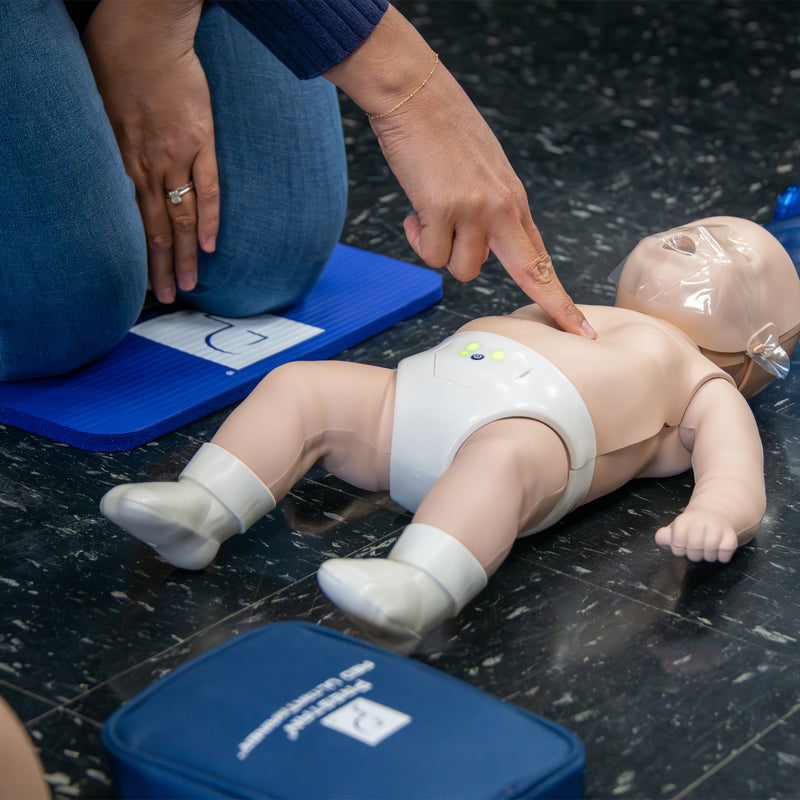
<point>729,285</point>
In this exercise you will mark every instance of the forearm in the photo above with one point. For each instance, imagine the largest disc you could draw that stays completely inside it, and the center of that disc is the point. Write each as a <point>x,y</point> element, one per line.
<point>729,498</point>
<point>727,458</point>
<point>386,67</point>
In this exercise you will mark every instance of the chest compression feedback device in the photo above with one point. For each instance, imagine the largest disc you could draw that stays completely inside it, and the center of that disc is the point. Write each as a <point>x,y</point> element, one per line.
<point>472,378</point>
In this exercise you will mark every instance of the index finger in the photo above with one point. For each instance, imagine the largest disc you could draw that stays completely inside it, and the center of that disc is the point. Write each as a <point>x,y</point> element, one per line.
<point>521,251</point>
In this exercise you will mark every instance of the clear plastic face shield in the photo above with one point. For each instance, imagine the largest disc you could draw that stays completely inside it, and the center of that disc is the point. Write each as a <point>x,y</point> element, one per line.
<point>706,279</point>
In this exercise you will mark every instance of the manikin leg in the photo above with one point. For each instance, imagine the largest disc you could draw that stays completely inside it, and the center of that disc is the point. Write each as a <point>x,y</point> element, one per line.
<point>300,414</point>
<point>185,521</point>
<point>504,479</point>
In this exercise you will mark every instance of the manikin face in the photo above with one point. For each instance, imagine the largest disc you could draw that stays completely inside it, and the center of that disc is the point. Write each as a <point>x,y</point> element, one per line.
<point>726,282</point>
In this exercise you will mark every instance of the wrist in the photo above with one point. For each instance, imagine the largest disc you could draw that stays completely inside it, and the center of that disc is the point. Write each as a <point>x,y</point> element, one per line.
<point>143,32</point>
<point>408,97</point>
<point>387,68</point>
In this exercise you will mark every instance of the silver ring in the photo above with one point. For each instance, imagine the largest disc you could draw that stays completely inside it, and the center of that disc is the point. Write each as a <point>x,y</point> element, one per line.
<point>176,195</point>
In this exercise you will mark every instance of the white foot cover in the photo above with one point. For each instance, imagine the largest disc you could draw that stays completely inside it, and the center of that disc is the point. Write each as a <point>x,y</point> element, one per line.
<point>395,604</point>
<point>183,522</point>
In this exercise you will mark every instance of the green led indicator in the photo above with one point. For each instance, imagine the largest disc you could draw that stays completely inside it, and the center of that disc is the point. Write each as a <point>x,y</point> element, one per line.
<point>464,353</point>
<point>498,355</point>
<point>473,346</point>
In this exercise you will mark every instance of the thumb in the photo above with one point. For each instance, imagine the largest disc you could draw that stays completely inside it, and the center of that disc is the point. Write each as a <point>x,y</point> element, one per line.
<point>413,230</point>
<point>664,537</point>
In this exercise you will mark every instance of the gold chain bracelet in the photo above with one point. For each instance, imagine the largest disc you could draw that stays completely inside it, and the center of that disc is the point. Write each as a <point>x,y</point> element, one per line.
<point>405,100</point>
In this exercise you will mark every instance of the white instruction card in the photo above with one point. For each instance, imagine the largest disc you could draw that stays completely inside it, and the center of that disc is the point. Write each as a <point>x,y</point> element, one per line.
<point>233,343</point>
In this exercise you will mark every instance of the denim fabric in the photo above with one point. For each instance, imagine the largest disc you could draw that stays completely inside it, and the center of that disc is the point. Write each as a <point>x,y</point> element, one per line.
<point>72,249</point>
<point>283,174</point>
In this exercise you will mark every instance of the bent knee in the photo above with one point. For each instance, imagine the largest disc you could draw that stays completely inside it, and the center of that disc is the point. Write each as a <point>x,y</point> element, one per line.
<point>260,276</point>
<point>64,330</point>
<point>51,350</point>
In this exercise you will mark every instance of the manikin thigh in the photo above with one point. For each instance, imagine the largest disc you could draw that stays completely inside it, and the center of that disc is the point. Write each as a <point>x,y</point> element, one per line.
<point>504,479</point>
<point>333,413</point>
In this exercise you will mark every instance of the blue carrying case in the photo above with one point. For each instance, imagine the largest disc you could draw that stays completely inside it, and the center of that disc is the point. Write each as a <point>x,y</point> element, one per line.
<point>293,710</point>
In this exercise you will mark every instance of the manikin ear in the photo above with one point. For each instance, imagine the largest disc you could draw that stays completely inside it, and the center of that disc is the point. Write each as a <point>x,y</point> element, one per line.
<point>765,349</point>
<point>750,375</point>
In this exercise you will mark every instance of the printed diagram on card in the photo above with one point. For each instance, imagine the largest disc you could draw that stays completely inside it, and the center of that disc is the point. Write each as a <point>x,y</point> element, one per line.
<point>230,342</point>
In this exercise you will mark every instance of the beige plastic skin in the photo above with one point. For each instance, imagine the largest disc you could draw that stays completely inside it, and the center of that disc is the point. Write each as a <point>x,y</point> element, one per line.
<point>658,406</point>
<point>730,266</point>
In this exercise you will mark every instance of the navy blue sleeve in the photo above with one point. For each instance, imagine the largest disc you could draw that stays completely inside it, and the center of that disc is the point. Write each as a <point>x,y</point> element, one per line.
<point>309,36</point>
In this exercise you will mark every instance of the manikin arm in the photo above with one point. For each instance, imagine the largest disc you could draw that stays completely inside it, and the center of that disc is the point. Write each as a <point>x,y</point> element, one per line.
<point>729,498</point>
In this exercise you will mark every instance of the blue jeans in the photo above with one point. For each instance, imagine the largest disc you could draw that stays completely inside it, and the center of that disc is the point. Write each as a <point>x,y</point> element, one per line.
<point>73,261</point>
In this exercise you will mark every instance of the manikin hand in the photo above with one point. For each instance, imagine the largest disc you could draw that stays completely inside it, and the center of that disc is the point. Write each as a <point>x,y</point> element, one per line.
<point>156,96</point>
<point>700,536</point>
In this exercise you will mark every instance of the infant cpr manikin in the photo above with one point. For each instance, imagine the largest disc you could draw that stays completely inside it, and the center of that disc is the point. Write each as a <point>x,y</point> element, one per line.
<point>508,425</point>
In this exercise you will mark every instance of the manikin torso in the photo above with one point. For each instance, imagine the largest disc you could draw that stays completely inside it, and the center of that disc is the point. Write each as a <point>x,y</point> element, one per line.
<point>637,379</point>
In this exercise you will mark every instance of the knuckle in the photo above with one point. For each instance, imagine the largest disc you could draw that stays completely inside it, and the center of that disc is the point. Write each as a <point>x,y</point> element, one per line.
<point>540,269</point>
<point>436,261</point>
<point>135,158</point>
<point>160,242</point>
<point>477,202</point>
<point>464,270</point>
<point>208,191</point>
<point>504,201</point>
<point>446,208</point>
<point>185,223</point>
<point>170,151</point>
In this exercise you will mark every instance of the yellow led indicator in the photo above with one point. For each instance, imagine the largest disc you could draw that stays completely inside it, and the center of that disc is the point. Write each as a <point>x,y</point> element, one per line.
<point>498,355</point>
<point>473,346</point>
<point>464,353</point>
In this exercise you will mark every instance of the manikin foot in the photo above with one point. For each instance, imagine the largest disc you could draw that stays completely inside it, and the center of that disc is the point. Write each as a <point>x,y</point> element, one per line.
<point>427,578</point>
<point>185,521</point>
<point>393,603</point>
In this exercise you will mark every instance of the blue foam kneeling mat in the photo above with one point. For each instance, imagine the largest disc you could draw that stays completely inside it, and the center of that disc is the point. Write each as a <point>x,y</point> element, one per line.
<point>292,710</point>
<point>177,367</point>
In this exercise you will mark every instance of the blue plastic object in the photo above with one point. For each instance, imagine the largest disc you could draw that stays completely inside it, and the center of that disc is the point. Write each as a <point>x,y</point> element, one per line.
<point>788,204</point>
<point>787,232</point>
<point>785,225</point>
<point>145,388</point>
<point>292,710</point>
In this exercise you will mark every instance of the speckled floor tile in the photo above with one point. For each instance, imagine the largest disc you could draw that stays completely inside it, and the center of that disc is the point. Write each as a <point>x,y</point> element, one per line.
<point>75,761</point>
<point>621,118</point>
<point>776,751</point>
<point>616,671</point>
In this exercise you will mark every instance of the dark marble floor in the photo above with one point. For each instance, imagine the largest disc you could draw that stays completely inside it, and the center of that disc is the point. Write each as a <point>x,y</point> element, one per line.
<point>682,680</point>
